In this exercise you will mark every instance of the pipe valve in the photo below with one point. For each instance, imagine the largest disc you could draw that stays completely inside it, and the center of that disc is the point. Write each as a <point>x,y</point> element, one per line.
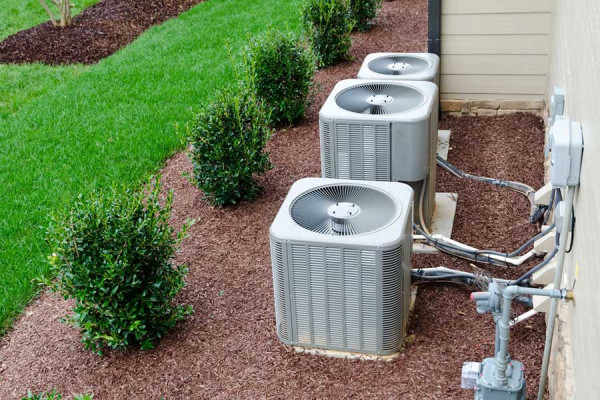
<point>567,295</point>
<point>488,301</point>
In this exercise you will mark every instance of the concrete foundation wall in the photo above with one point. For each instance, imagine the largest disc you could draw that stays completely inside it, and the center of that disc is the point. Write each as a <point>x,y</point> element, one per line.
<point>488,108</point>
<point>575,66</point>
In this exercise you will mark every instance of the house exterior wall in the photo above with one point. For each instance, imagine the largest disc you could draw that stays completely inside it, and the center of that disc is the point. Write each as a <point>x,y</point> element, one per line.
<point>574,61</point>
<point>495,50</point>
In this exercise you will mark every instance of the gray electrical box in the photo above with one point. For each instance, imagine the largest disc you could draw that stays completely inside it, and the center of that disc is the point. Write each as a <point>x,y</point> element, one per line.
<point>557,104</point>
<point>515,389</point>
<point>567,148</point>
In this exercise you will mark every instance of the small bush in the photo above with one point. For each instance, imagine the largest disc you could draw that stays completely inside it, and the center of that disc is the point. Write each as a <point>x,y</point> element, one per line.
<point>364,12</point>
<point>328,24</point>
<point>280,68</point>
<point>228,139</point>
<point>113,253</point>
<point>54,395</point>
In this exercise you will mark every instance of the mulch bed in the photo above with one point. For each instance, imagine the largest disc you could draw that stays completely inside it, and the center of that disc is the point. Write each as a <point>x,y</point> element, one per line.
<point>229,347</point>
<point>96,33</point>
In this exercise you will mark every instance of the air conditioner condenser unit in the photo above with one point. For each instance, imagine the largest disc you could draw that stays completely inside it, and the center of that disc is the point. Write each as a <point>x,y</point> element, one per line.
<point>401,66</point>
<point>382,131</point>
<point>340,253</point>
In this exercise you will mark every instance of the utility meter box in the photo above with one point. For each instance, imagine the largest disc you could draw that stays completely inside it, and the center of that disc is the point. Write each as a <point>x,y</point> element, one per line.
<point>566,145</point>
<point>515,388</point>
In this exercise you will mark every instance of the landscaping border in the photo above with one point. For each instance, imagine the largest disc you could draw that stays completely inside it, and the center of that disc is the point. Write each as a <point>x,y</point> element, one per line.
<point>96,33</point>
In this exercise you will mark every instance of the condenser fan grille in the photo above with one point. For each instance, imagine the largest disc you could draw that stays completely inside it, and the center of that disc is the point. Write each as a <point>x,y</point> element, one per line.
<point>398,65</point>
<point>344,210</point>
<point>380,98</point>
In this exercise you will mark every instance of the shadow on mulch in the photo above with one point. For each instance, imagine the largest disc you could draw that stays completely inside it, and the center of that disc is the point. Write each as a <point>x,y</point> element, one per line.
<point>229,348</point>
<point>96,33</point>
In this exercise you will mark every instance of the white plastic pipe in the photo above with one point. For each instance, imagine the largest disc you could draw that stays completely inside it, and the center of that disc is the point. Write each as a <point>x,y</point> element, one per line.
<point>508,260</point>
<point>524,316</point>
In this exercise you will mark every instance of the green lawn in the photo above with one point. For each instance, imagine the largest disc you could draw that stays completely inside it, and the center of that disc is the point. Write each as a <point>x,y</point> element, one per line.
<point>16,15</point>
<point>112,122</point>
<point>20,84</point>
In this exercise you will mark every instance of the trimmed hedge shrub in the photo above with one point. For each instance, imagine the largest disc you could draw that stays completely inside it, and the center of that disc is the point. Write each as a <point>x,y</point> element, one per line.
<point>328,24</point>
<point>364,12</point>
<point>228,139</point>
<point>280,68</point>
<point>113,253</point>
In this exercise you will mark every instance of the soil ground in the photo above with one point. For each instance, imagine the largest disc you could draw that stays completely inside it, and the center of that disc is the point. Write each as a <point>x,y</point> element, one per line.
<point>229,348</point>
<point>96,33</point>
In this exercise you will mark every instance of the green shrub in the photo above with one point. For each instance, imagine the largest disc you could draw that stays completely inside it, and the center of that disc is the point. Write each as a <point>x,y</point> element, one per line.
<point>228,138</point>
<point>280,68</point>
<point>113,253</point>
<point>54,395</point>
<point>364,12</point>
<point>328,24</point>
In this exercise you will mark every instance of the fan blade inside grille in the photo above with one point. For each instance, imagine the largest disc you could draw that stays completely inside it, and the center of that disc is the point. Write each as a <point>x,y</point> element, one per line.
<point>385,65</point>
<point>377,209</point>
<point>380,98</point>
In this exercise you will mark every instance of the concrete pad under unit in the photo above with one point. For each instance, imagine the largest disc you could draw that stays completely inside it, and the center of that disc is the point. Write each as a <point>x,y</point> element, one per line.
<point>443,144</point>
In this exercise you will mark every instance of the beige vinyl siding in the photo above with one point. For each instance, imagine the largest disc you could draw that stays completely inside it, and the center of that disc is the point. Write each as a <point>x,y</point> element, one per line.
<point>499,84</point>
<point>495,49</point>
<point>495,6</point>
<point>496,64</point>
<point>496,44</point>
<point>574,67</point>
<point>496,24</point>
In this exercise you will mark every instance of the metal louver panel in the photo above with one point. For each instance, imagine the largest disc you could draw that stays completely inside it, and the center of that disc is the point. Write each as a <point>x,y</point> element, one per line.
<point>362,151</point>
<point>393,299</point>
<point>407,249</point>
<point>335,297</point>
<point>327,169</point>
<point>360,210</point>
<point>369,304</point>
<point>279,285</point>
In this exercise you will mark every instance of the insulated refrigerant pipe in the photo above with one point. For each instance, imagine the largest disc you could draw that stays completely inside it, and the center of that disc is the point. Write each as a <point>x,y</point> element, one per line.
<point>558,272</point>
<point>522,188</point>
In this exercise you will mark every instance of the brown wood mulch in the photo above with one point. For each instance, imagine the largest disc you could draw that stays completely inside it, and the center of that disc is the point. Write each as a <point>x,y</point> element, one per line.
<point>96,33</point>
<point>229,348</point>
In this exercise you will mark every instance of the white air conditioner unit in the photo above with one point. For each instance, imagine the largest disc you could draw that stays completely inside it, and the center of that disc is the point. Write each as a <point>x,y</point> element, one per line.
<point>401,66</point>
<point>340,253</point>
<point>382,131</point>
